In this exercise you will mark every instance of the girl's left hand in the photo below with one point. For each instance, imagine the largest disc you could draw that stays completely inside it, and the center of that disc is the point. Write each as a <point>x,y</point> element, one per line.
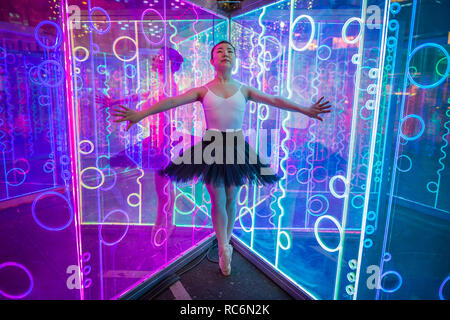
<point>318,108</point>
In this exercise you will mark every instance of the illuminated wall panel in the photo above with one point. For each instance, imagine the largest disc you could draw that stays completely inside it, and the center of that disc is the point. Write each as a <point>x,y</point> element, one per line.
<point>83,212</point>
<point>328,225</point>
<point>39,250</point>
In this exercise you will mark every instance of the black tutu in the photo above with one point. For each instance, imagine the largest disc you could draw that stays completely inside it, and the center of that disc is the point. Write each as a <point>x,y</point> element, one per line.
<point>221,158</point>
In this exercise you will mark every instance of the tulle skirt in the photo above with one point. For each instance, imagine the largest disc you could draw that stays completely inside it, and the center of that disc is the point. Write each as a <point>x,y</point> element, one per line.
<point>221,158</point>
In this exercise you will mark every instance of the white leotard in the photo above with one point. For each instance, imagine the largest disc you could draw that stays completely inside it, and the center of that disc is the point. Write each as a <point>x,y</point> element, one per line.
<point>224,114</point>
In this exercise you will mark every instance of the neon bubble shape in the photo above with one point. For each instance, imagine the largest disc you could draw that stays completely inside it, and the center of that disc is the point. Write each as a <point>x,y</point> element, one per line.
<point>89,143</point>
<point>46,168</point>
<point>358,197</point>
<point>319,211</point>
<point>291,170</point>
<point>422,129</point>
<point>400,281</point>
<point>44,100</point>
<point>393,25</point>
<point>28,273</point>
<point>106,243</point>
<point>353,264</point>
<point>142,26</point>
<point>395,8</point>
<point>441,288</point>
<point>327,56</point>
<point>86,256</point>
<point>444,76</point>
<point>287,238</point>
<point>33,211</point>
<point>350,290</point>
<point>437,66</point>
<point>356,59</point>
<point>64,160</point>
<point>300,173</point>
<point>319,240</point>
<point>370,104</point>
<point>240,193</point>
<point>311,37</point>
<point>260,112</point>
<point>86,54</point>
<point>159,244</point>
<point>190,199</point>
<point>371,215</point>
<point>331,185</point>
<point>247,209</point>
<point>19,183</point>
<point>409,160</point>
<point>105,13</point>
<point>47,83</point>
<point>96,169</point>
<point>351,277</point>
<point>313,175</point>
<point>134,204</point>
<point>344,30</point>
<point>205,209</point>
<point>58,35</point>
<point>434,184</point>
<point>115,52</point>
<point>133,73</point>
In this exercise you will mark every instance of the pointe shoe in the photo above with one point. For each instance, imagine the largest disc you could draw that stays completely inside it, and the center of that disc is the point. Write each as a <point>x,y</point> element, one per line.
<point>224,261</point>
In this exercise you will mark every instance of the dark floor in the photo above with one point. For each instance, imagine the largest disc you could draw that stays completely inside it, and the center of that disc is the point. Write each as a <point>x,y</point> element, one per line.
<point>205,282</point>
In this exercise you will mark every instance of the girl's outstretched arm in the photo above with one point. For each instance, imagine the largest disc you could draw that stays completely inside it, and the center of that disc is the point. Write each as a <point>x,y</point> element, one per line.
<point>165,104</point>
<point>313,111</point>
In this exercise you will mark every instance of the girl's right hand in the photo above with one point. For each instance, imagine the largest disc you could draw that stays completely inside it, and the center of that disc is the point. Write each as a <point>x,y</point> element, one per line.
<point>127,114</point>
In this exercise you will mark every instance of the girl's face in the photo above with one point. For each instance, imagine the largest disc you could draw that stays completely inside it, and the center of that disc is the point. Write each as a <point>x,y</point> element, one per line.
<point>223,56</point>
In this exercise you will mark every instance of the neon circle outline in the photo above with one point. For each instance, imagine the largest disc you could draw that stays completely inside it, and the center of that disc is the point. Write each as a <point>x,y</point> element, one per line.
<point>58,35</point>
<point>344,30</point>
<point>86,56</point>
<point>316,232</point>
<point>124,234</point>
<point>105,13</point>
<point>443,78</point>
<point>311,37</point>
<point>89,187</point>
<point>394,289</point>
<point>142,26</point>
<point>313,198</point>
<point>30,276</point>
<point>422,130</point>
<point>88,142</point>
<point>134,204</point>
<point>33,211</point>
<point>329,53</point>
<point>18,169</point>
<point>115,52</point>
<point>331,186</point>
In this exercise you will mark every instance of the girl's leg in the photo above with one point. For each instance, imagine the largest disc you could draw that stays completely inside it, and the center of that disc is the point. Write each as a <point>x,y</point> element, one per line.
<point>219,214</point>
<point>231,193</point>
